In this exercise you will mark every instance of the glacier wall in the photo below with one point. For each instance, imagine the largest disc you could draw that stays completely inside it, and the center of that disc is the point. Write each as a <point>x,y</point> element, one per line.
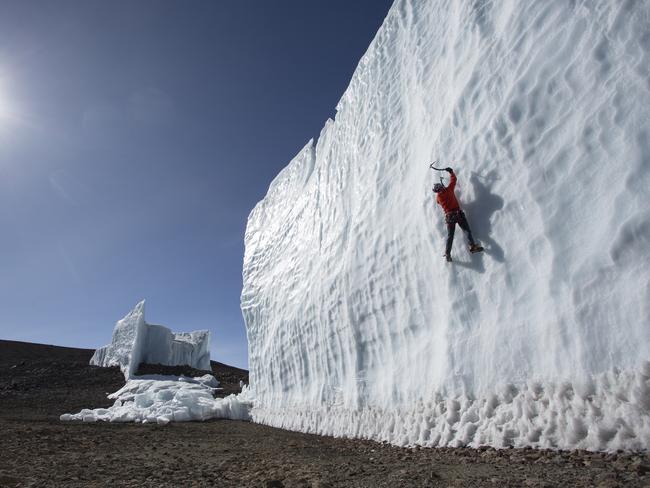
<point>135,341</point>
<point>356,325</point>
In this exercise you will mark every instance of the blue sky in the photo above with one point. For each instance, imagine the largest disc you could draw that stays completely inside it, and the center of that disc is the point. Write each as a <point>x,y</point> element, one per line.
<point>136,137</point>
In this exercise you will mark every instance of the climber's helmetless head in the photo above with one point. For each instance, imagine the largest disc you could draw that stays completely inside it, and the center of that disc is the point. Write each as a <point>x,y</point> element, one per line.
<point>438,187</point>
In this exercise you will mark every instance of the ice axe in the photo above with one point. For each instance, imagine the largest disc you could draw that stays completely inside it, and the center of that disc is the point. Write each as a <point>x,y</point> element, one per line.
<point>437,169</point>
<point>433,167</point>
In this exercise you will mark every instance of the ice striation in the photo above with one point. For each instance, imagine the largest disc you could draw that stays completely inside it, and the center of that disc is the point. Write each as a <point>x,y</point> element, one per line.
<point>135,341</point>
<point>356,325</point>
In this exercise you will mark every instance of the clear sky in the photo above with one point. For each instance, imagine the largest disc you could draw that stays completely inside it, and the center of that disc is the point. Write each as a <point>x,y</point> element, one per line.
<point>135,138</point>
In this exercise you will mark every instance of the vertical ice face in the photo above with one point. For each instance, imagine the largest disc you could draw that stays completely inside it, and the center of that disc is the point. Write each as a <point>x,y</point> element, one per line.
<point>127,344</point>
<point>166,347</point>
<point>357,326</point>
<point>134,342</point>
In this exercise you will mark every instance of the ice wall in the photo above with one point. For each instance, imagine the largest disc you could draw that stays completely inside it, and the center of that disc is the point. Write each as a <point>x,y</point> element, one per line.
<point>134,342</point>
<point>356,325</point>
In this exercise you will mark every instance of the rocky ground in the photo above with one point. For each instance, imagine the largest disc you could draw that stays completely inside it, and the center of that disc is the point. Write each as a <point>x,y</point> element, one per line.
<point>38,383</point>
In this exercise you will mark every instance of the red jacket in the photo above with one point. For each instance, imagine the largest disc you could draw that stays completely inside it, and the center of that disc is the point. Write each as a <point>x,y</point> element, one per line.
<point>447,199</point>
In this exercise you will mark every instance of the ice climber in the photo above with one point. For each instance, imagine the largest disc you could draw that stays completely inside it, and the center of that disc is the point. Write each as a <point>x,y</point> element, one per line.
<point>446,198</point>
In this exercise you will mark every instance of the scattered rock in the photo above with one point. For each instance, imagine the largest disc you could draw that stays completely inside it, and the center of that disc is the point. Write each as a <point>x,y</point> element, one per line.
<point>608,484</point>
<point>274,484</point>
<point>10,481</point>
<point>531,482</point>
<point>640,467</point>
<point>321,484</point>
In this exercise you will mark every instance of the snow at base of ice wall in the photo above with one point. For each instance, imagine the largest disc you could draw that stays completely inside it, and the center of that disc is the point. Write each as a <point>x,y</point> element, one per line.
<point>134,342</point>
<point>356,325</point>
<point>164,399</point>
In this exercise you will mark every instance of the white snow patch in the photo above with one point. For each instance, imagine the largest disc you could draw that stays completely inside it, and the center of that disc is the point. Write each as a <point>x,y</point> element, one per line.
<point>135,341</point>
<point>163,399</point>
<point>357,327</point>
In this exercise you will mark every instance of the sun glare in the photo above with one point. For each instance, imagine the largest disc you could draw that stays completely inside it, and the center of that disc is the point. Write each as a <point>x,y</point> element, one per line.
<point>7,111</point>
<point>4,105</point>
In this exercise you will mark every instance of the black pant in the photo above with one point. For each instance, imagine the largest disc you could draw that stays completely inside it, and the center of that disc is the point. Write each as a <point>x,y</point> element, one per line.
<point>453,218</point>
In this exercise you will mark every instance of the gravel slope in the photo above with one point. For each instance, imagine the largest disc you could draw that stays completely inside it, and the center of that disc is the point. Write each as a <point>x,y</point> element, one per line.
<point>38,383</point>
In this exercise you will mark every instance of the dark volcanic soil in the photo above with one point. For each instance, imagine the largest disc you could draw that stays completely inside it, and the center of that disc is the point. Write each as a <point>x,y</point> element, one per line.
<point>38,383</point>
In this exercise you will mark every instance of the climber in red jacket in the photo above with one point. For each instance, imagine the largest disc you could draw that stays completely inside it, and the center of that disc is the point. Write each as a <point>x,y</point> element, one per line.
<point>453,214</point>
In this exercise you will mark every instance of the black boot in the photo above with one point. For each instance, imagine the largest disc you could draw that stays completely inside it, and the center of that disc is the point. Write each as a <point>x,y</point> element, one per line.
<point>475,248</point>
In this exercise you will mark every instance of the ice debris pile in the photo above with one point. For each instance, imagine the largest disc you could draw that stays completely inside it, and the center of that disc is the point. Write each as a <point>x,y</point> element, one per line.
<point>135,341</point>
<point>156,398</point>
<point>160,399</point>
<point>357,327</point>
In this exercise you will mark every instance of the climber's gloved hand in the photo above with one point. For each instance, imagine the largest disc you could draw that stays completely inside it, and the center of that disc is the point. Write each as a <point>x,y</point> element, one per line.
<point>449,170</point>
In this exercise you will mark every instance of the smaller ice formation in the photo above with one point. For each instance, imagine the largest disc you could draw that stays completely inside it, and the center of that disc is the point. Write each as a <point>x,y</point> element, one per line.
<point>164,399</point>
<point>135,341</point>
<point>156,398</point>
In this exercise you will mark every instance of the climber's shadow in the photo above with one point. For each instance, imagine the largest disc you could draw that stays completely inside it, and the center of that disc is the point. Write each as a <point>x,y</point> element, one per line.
<point>480,210</point>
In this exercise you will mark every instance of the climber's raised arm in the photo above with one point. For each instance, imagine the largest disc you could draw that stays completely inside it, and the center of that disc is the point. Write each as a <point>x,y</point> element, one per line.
<point>452,179</point>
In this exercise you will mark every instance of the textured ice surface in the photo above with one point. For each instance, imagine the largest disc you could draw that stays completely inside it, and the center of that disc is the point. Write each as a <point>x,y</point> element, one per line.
<point>134,342</point>
<point>167,399</point>
<point>356,325</point>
